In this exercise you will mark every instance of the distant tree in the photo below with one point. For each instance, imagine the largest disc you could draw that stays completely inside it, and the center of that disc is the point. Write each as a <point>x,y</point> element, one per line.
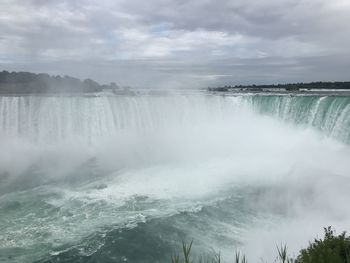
<point>113,85</point>
<point>285,86</point>
<point>91,86</point>
<point>25,83</point>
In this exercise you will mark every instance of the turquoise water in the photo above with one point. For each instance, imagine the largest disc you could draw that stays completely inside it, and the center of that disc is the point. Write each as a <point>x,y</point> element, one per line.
<point>329,114</point>
<point>127,179</point>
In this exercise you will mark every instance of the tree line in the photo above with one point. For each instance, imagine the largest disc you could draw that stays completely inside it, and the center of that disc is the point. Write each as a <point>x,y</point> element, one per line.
<point>287,87</point>
<point>28,83</point>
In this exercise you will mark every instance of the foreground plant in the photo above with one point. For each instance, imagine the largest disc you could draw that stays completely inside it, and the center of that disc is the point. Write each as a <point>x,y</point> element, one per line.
<point>186,251</point>
<point>330,249</point>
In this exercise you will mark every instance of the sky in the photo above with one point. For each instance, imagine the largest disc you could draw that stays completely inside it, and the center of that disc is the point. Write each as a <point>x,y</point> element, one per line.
<point>178,43</point>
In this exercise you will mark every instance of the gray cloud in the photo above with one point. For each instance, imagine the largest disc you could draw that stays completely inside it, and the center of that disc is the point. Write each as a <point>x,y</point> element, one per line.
<point>178,43</point>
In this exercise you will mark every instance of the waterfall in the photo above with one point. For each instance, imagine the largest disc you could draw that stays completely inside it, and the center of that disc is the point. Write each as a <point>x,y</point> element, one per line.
<point>329,114</point>
<point>48,119</point>
<point>78,173</point>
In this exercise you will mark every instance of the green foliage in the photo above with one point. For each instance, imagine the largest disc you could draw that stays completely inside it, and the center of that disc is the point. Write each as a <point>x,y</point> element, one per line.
<point>283,254</point>
<point>186,251</point>
<point>239,258</point>
<point>332,249</point>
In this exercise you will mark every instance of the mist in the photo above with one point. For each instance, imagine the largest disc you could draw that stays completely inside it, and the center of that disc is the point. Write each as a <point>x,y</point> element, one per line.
<point>131,128</point>
<point>100,163</point>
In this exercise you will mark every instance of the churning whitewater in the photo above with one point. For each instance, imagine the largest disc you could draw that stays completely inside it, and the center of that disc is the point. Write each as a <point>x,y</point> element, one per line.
<point>128,178</point>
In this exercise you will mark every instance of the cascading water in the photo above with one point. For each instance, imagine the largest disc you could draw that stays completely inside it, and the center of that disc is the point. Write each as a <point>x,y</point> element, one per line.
<point>329,114</point>
<point>57,118</point>
<point>50,119</point>
<point>126,178</point>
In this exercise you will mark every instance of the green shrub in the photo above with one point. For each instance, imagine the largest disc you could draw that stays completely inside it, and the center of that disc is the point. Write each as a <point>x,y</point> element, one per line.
<point>332,249</point>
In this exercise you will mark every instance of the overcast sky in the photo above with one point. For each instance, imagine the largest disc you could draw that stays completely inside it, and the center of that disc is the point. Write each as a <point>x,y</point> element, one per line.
<point>178,43</point>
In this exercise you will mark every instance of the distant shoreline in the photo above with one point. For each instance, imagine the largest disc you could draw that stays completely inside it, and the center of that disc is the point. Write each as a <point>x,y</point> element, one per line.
<point>328,93</point>
<point>323,92</point>
<point>26,83</point>
<point>288,87</point>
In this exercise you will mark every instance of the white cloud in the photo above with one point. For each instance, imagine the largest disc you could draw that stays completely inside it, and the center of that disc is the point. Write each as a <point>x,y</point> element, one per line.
<point>168,34</point>
<point>142,43</point>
